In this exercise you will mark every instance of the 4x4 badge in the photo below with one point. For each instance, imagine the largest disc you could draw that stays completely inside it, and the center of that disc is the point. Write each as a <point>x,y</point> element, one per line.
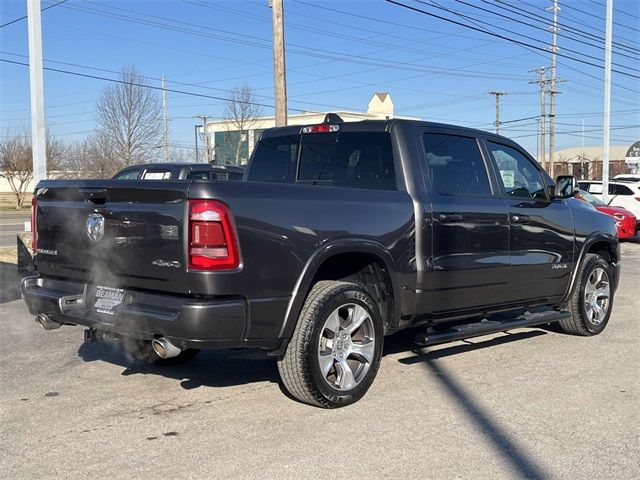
<point>95,226</point>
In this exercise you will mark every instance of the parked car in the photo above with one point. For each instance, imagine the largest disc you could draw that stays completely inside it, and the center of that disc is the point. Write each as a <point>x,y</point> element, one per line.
<point>621,193</point>
<point>626,221</point>
<point>628,177</point>
<point>339,234</point>
<point>180,171</point>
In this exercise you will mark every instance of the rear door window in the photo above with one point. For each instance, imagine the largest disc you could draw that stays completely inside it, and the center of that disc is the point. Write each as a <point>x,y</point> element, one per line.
<point>455,165</point>
<point>616,189</point>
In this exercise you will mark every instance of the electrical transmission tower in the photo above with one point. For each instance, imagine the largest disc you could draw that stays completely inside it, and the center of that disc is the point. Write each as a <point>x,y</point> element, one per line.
<point>497,94</point>
<point>542,81</point>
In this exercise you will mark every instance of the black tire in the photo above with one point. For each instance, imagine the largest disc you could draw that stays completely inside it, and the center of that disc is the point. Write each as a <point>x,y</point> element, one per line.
<point>143,350</point>
<point>300,369</point>
<point>580,322</point>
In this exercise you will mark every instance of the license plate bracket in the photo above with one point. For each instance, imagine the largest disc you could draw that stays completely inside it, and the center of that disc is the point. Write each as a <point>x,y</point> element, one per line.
<point>108,299</point>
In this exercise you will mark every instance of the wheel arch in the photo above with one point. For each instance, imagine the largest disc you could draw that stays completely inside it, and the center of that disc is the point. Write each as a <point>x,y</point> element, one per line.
<point>605,245</point>
<point>339,260</point>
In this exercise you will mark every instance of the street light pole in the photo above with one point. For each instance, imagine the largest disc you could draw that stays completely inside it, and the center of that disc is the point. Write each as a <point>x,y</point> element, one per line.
<point>607,103</point>
<point>36,83</point>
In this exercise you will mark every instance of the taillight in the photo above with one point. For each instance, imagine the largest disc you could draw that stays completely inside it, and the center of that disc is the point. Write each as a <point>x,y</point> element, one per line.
<point>322,128</point>
<point>34,226</point>
<point>212,242</point>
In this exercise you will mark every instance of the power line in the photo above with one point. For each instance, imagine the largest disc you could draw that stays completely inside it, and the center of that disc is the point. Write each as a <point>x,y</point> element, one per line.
<point>23,18</point>
<point>503,37</point>
<point>498,14</point>
<point>435,5</point>
<point>562,25</point>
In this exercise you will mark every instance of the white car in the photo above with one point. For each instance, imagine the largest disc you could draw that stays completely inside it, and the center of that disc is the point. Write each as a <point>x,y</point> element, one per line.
<point>628,177</point>
<point>624,194</point>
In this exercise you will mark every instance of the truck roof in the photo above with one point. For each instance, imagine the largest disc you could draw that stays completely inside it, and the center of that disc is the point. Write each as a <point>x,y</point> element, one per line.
<point>380,126</point>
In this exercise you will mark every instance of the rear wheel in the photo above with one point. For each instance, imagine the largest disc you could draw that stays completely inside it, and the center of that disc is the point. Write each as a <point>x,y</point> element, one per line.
<point>592,298</point>
<point>335,351</point>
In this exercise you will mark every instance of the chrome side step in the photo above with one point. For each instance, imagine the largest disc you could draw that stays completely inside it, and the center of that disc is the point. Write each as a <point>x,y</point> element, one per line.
<point>486,327</point>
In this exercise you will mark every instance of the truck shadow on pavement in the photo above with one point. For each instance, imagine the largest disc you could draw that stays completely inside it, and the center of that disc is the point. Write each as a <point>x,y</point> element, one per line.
<point>9,282</point>
<point>211,368</point>
<point>504,444</point>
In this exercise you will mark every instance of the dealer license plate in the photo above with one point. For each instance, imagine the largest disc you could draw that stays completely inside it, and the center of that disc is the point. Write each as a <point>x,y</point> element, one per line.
<point>107,299</point>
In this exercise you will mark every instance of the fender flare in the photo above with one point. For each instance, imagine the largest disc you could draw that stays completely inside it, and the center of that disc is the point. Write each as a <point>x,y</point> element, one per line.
<point>322,254</point>
<point>590,240</point>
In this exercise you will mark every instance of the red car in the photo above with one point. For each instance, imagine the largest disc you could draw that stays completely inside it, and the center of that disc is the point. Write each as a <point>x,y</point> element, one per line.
<point>626,221</point>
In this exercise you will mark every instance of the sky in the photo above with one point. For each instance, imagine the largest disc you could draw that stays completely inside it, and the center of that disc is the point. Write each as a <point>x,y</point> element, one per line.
<point>338,54</point>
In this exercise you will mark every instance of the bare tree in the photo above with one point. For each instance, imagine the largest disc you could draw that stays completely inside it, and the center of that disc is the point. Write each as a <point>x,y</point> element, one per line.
<point>241,114</point>
<point>93,157</point>
<point>16,162</point>
<point>129,114</point>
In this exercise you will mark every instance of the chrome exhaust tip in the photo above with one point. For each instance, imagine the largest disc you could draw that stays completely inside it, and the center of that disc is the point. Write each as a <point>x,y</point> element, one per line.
<point>164,348</point>
<point>46,322</point>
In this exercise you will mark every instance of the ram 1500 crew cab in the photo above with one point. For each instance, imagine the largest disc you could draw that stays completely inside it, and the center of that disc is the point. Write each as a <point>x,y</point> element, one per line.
<point>338,235</point>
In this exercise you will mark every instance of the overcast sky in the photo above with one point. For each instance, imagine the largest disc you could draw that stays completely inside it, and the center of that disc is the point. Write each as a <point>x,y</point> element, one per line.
<point>338,54</point>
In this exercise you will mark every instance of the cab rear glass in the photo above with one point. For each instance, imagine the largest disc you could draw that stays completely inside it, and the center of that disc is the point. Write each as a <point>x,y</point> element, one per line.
<point>336,159</point>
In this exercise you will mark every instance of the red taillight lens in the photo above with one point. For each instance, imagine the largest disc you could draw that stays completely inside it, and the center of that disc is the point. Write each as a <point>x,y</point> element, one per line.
<point>212,242</point>
<point>34,226</point>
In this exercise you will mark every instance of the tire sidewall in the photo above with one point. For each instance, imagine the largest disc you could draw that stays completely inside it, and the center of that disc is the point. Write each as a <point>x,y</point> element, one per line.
<point>351,294</point>
<point>589,267</point>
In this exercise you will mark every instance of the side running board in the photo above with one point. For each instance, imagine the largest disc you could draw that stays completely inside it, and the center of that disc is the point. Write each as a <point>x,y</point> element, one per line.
<point>486,327</point>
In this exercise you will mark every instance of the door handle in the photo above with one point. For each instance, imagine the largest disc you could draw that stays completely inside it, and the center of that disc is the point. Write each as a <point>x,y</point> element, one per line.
<point>520,218</point>
<point>449,217</point>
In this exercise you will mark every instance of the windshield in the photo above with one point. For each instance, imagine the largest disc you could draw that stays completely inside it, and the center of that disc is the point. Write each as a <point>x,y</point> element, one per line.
<point>587,197</point>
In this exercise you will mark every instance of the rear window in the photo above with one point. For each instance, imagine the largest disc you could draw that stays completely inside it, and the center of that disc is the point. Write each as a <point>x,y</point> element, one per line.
<point>131,174</point>
<point>343,159</point>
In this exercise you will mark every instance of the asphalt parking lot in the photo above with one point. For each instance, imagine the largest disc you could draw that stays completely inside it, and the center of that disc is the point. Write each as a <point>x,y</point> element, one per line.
<point>528,403</point>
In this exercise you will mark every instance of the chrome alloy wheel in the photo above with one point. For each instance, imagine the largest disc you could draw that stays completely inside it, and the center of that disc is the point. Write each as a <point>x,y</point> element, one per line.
<point>597,293</point>
<point>346,346</point>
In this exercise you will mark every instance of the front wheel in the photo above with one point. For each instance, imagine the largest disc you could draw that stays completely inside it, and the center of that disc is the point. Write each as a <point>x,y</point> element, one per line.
<point>336,348</point>
<point>592,298</point>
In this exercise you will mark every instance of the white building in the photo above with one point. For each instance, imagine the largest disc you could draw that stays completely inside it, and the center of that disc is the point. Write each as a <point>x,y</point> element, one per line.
<point>227,143</point>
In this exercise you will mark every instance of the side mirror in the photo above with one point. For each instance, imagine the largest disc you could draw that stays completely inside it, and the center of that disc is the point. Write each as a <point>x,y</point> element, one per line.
<point>566,186</point>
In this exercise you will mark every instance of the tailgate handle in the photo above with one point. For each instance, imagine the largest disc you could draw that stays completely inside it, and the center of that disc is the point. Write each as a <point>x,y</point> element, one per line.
<point>94,195</point>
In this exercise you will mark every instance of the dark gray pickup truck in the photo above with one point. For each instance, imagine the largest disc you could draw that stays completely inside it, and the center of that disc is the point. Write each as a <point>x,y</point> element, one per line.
<point>339,234</point>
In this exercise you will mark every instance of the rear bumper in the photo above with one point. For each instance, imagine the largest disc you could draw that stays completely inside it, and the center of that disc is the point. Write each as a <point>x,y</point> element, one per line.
<point>186,321</point>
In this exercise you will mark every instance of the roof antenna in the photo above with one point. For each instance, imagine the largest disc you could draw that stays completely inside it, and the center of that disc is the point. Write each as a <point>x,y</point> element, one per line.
<point>332,118</point>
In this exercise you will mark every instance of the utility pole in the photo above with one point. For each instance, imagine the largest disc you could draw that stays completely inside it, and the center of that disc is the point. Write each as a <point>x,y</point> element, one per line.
<point>607,103</point>
<point>552,91</point>
<point>279,69</point>
<point>206,137</point>
<point>165,133</point>
<point>36,84</point>
<point>582,153</point>
<point>497,94</point>
<point>543,112</point>
<point>196,136</point>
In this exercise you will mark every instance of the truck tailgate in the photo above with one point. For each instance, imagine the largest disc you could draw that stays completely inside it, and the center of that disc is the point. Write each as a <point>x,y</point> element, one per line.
<point>113,233</point>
